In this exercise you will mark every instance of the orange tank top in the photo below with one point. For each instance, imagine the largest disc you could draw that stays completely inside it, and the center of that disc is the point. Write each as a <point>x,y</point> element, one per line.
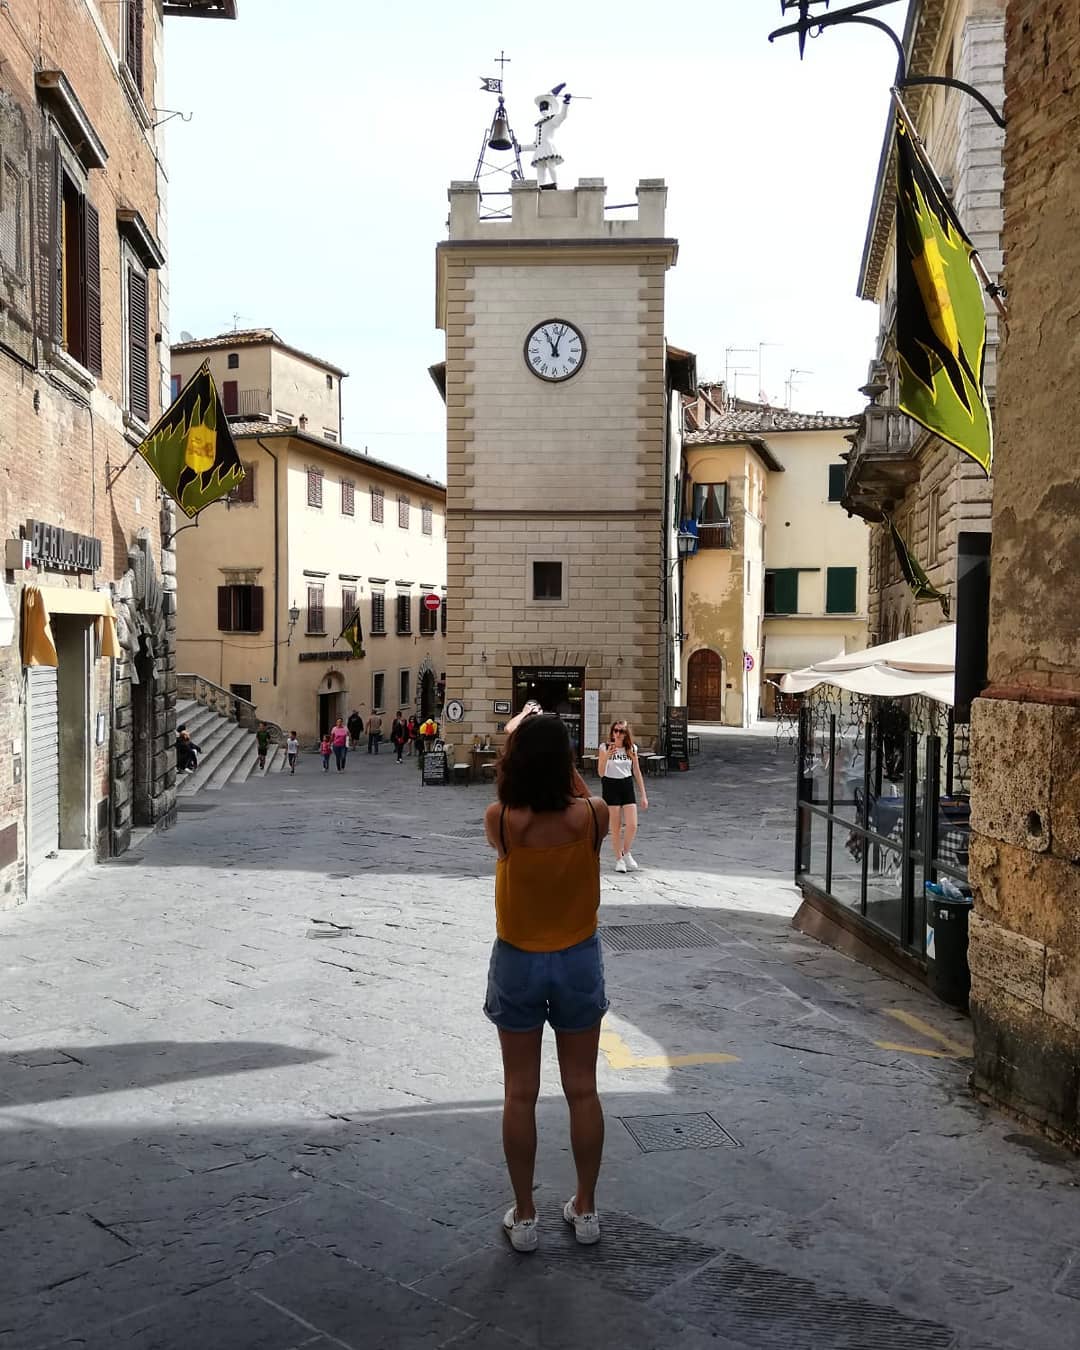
<point>546,899</point>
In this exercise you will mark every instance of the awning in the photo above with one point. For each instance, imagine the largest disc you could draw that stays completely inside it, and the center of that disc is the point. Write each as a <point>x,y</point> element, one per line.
<point>922,664</point>
<point>41,602</point>
<point>792,651</point>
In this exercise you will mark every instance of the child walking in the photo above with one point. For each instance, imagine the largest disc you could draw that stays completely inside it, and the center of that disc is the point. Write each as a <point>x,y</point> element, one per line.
<point>292,749</point>
<point>325,749</point>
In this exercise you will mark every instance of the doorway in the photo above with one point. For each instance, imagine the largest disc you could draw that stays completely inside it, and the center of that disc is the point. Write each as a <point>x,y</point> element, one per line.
<point>427,695</point>
<point>142,739</point>
<point>331,707</point>
<point>558,689</point>
<point>705,677</point>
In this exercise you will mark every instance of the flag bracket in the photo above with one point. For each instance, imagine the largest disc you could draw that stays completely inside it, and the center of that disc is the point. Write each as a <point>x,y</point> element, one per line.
<point>813,25</point>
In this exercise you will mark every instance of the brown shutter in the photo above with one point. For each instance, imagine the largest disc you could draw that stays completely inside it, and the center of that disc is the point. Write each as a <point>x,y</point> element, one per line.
<point>47,211</point>
<point>224,609</point>
<point>133,57</point>
<point>229,398</point>
<point>138,317</point>
<point>245,491</point>
<point>92,283</point>
<point>256,609</point>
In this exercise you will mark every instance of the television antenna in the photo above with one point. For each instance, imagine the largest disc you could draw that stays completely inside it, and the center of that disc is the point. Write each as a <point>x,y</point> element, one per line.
<point>790,384</point>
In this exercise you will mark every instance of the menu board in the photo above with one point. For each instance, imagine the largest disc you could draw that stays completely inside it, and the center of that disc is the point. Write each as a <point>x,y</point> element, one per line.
<point>435,767</point>
<point>678,748</point>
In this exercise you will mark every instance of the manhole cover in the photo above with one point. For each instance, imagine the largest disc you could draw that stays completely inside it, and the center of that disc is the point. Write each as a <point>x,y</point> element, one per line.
<point>774,1311</point>
<point>698,1129</point>
<point>634,1257</point>
<point>654,937</point>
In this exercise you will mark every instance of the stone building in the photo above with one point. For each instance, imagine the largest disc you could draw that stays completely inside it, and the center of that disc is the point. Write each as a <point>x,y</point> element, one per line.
<point>932,491</point>
<point>562,454</point>
<point>316,531</point>
<point>86,730</point>
<point>780,577</point>
<point>1025,935</point>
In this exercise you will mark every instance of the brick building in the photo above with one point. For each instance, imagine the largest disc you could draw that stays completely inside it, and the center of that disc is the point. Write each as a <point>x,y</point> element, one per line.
<point>562,455</point>
<point>1025,938</point>
<point>86,735</point>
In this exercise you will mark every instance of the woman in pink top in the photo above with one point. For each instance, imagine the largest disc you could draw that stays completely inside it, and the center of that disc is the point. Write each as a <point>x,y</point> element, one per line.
<point>339,739</point>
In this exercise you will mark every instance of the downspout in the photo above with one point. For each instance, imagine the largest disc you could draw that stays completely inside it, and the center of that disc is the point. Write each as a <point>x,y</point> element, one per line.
<point>277,530</point>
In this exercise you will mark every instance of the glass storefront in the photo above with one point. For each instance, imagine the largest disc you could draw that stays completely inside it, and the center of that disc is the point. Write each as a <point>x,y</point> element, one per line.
<point>558,689</point>
<point>883,807</point>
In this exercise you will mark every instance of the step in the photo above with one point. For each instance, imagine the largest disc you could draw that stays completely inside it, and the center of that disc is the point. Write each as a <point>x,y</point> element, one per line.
<point>198,720</point>
<point>216,747</point>
<point>236,750</point>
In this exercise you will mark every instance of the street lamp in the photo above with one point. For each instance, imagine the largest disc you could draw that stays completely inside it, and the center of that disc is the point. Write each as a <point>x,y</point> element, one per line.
<point>294,619</point>
<point>687,539</point>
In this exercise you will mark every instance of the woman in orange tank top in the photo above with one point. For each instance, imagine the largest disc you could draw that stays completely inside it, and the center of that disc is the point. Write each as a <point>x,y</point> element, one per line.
<point>546,965</point>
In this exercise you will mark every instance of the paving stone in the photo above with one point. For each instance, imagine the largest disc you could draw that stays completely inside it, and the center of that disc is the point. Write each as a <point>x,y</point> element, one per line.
<point>45,1251</point>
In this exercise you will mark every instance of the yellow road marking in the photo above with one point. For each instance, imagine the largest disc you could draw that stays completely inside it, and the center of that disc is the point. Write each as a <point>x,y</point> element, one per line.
<point>619,1056</point>
<point>951,1049</point>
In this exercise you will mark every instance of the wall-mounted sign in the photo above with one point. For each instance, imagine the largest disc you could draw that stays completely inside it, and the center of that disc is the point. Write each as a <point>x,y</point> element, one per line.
<point>431,601</point>
<point>501,705</point>
<point>454,710</point>
<point>60,549</point>
<point>330,656</point>
<point>748,661</point>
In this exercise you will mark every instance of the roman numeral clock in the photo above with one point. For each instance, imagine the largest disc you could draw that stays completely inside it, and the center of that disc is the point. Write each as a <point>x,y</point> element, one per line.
<point>554,350</point>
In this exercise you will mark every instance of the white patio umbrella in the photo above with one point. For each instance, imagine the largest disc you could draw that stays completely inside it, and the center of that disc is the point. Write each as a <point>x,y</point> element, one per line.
<point>922,664</point>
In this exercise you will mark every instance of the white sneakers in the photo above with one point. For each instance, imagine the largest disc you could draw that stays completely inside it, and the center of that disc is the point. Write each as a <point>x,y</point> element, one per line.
<point>620,866</point>
<point>627,864</point>
<point>586,1226</point>
<point>521,1232</point>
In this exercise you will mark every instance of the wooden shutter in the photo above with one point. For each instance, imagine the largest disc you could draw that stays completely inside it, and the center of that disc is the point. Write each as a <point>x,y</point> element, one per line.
<point>47,211</point>
<point>314,487</point>
<point>91,287</point>
<point>442,617</point>
<point>837,477</point>
<point>256,609</point>
<point>245,491</point>
<point>230,399</point>
<point>378,612</point>
<point>224,609</point>
<point>138,317</point>
<point>133,55</point>
<point>840,585</point>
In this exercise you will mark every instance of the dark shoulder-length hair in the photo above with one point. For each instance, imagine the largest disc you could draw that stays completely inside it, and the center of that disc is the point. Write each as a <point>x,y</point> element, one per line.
<point>536,768</point>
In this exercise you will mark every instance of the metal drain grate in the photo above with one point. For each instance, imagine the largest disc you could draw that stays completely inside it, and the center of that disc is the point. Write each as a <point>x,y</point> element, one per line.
<point>698,1129</point>
<point>775,1311</point>
<point>634,1258</point>
<point>654,937</point>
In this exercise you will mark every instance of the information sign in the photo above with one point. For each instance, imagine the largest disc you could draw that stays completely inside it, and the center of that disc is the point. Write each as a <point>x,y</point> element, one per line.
<point>678,745</point>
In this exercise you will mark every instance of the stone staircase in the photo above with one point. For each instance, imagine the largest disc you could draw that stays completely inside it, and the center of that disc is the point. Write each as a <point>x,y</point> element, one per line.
<point>227,747</point>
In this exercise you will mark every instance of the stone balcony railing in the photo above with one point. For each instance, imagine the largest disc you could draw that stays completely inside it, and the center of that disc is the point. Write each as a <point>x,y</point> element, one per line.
<point>224,702</point>
<point>882,460</point>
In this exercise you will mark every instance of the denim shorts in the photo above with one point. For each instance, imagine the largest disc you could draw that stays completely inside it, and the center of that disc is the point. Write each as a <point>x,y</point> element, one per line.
<point>527,989</point>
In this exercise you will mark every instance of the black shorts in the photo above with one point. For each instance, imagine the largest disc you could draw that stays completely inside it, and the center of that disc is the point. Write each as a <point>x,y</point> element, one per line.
<point>618,791</point>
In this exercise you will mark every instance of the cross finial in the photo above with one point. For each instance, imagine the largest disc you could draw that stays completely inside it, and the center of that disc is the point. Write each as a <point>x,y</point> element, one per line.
<point>502,60</point>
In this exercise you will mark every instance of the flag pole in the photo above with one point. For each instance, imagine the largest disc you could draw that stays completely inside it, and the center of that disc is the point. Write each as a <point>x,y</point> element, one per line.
<point>990,286</point>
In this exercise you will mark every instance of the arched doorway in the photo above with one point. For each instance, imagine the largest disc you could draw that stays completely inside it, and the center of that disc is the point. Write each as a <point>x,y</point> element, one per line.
<point>331,700</point>
<point>705,679</point>
<point>427,694</point>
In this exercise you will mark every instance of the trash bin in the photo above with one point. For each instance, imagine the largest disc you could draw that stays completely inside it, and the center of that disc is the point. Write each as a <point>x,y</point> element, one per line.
<point>947,944</point>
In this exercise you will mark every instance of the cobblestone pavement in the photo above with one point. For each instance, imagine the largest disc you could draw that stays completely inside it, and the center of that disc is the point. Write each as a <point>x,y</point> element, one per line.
<point>219,1132</point>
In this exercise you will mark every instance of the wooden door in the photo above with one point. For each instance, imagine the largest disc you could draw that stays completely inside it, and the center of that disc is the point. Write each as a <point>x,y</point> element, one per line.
<point>706,696</point>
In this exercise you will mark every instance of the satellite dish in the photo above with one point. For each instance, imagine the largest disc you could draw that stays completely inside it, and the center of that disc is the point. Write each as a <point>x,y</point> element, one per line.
<point>185,336</point>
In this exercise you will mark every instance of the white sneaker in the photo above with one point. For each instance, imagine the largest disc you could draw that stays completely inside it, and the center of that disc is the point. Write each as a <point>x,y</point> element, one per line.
<point>628,858</point>
<point>620,866</point>
<point>522,1232</point>
<point>586,1226</point>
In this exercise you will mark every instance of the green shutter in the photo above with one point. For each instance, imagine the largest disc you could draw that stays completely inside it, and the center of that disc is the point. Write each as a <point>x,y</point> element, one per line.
<point>837,475</point>
<point>840,586</point>
<point>785,590</point>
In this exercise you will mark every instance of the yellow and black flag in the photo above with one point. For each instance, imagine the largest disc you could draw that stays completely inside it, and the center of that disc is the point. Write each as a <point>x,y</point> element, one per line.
<point>940,317</point>
<point>353,634</point>
<point>191,449</point>
<point>916,578</point>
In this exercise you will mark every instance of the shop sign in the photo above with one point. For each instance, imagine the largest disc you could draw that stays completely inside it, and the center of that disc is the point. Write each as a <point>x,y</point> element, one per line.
<point>62,550</point>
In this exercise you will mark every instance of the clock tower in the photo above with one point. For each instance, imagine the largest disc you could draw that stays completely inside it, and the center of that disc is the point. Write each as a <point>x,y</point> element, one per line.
<point>561,455</point>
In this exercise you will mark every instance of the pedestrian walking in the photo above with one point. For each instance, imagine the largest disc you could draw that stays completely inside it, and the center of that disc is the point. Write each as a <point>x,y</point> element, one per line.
<point>399,735</point>
<point>326,749</point>
<point>619,770</point>
<point>262,743</point>
<point>374,733</point>
<point>339,739</point>
<point>292,750</point>
<point>412,727</point>
<point>356,729</point>
<point>546,964</point>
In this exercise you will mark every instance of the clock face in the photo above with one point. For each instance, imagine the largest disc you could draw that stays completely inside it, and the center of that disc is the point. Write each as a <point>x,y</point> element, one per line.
<point>554,350</point>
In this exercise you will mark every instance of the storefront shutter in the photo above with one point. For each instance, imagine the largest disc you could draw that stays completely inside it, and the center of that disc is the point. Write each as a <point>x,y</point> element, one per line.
<point>138,317</point>
<point>92,275</point>
<point>44,785</point>
<point>224,608</point>
<point>256,609</point>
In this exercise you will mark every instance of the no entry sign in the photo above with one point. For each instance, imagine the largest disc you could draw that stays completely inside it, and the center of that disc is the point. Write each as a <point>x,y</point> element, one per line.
<point>431,601</point>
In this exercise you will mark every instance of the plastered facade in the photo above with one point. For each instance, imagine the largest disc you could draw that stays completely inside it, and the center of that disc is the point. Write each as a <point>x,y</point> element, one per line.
<point>572,472</point>
<point>1025,860</point>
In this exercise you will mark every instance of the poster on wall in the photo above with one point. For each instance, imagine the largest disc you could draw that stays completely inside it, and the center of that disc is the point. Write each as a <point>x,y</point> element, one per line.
<point>592,718</point>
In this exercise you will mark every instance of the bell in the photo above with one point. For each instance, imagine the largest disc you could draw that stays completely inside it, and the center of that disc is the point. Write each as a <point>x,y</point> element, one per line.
<point>500,138</point>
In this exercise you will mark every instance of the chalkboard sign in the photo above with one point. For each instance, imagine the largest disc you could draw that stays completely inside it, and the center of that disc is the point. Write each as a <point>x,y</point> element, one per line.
<point>435,769</point>
<point>678,749</point>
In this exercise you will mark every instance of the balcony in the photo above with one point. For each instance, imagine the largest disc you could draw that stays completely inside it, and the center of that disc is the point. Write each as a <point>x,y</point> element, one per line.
<point>253,403</point>
<point>714,534</point>
<point>882,460</point>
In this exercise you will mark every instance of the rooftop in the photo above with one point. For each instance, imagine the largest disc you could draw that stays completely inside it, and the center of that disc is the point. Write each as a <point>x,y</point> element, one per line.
<point>253,337</point>
<point>759,419</point>
<point>267,430</point>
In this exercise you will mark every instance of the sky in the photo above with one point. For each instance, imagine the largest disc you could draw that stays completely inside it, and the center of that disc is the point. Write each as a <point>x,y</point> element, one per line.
<point>307,189</point>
